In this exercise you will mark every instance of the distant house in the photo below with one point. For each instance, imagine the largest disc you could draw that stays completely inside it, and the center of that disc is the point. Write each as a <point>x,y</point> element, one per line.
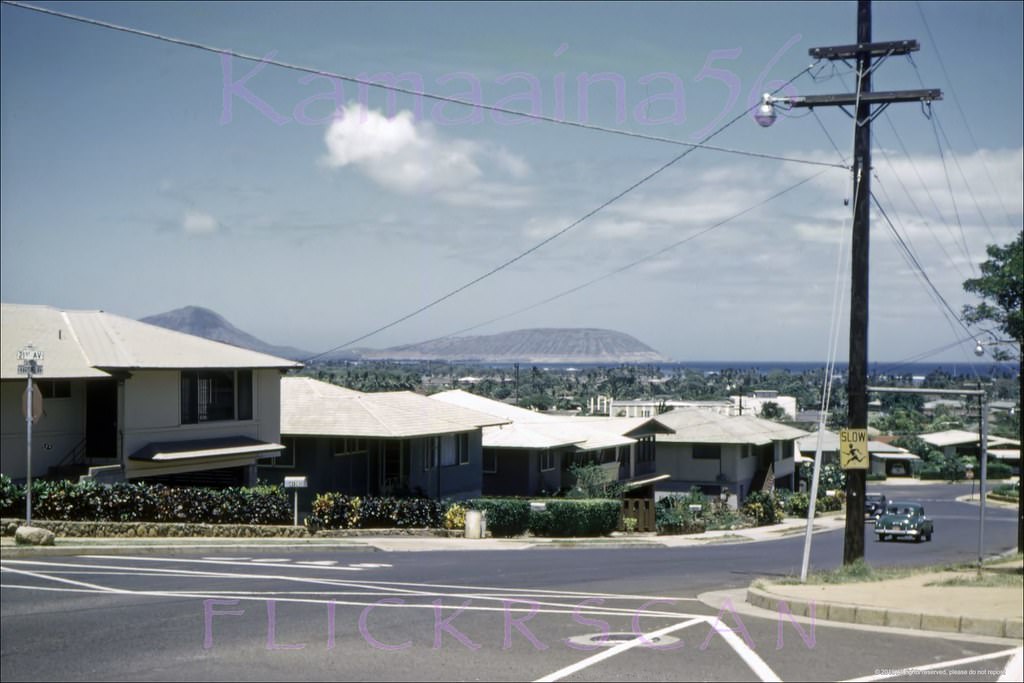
<point>376,443</point>
<point>885,458</point>
<point>959,442</point>
<point>752,404</point>
<point>127,400</point>
<point>714,452</point>
<point>534,451</point>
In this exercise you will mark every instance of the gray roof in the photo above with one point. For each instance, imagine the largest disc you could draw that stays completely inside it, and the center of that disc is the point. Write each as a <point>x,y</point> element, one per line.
<point>532,429</point>
<point>694,425</point>
<point>313,408</point>
<point>83,344</point>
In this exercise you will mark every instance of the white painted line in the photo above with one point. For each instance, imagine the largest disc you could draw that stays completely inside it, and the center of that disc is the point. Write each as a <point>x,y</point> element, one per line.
<point>567,608</point>
<point>370,565</point>
<point>319,563</point>
<point>83,584</point>
<point>496,589</point>
<point>271,560</point>
<point>617,650</point>
<point>215,557</point>
<point>230,563</point>
<point>910,670</point>
<point>746,653</point>
<point>1014,668</point>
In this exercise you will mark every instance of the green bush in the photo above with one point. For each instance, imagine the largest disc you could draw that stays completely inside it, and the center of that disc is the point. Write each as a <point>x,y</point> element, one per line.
<point>763,508</point>
<point>672,514</point>
<point>875,476</point>
<point>997,470</point>
<point>929,472</point>
<point>505,516</point>
<point>340,511</point>
<point>141,502</point>
<point>797,505</point>
<point>578,518</point>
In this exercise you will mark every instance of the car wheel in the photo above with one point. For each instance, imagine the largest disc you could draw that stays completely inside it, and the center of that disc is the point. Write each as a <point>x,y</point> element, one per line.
<point>928,538</point>
<point>880,537</point>
<point>917,539</point>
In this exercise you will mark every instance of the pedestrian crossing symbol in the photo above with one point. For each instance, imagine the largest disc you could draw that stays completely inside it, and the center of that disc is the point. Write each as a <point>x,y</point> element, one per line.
<point>853,449</point>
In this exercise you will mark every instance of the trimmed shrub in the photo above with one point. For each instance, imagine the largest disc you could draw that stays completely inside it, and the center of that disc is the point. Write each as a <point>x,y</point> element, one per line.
<point>591,517</point>
<point>141,502</point>
<point>455,517</point>
<point>763,508</point>
<point>674,516</point>
<point>505,516</point>
<point>339,511</point>
<point>998,470</point>
<point>797,505</point>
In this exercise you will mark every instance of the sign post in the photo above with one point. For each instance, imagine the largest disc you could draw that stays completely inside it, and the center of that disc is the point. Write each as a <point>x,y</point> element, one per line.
<point>29,357</point>
<point>295,483</point>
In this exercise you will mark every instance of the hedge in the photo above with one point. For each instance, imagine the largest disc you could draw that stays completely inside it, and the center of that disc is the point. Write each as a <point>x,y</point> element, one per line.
<point>505,516</point>
<point>141,502</point>
<point>763,508</point>
<point>578,517</point>
<point>340,511</point>
<point>998,470</point>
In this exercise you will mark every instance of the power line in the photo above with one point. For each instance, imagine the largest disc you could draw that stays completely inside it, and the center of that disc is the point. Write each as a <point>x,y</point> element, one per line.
<point>956,101</point>
<point>963,176</point>
<point>949,186</point>
<point>632,264</point>
<point>551,238</point>
<point>396,88</point>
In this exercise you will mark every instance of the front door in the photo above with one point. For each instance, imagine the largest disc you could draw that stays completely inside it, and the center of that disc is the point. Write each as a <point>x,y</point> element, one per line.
<point>101,419</point>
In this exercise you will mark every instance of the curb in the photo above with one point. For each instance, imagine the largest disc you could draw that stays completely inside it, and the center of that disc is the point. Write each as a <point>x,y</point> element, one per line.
<point>21,552</point>
<point>878,616</point>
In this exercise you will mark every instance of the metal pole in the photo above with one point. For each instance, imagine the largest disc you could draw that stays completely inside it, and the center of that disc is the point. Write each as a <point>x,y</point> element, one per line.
<point>983,457</point>
<point>295,519</point>
<point>28,426</point>
<point>813,503</point>
<point>853,542</point>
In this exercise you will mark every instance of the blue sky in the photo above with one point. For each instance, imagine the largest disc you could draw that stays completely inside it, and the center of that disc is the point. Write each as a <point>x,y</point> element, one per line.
<point>139,176</point>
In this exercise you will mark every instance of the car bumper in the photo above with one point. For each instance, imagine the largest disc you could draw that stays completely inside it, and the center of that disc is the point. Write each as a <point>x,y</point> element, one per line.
<point>898,532</point>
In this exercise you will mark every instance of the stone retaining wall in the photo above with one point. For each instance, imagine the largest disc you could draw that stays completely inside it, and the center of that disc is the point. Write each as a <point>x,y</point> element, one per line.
<point>66,529</point>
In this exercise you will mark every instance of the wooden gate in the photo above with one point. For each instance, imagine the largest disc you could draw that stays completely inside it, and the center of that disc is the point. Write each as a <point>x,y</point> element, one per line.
<point>640,509</point>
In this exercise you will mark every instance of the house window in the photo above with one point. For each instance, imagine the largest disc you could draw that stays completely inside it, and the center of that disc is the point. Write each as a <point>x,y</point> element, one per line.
<point>214,395</point>
<point>490,461</point>
<point>449,458</point>
<point>52,388</point>
<point>284,460</point>
<point>707,451</point>
<point>431,452</point>
<point>462,448</point>
<point>547,460</point>
<point>350,446</point>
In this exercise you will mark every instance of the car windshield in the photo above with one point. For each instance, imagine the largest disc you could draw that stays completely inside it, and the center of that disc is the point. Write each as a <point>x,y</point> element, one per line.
<point>902,510</point>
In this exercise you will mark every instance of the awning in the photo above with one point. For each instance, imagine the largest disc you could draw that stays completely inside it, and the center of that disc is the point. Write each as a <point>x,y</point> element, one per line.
<point>894,456</point>
<point>174,451</point>
<point>638,482</point>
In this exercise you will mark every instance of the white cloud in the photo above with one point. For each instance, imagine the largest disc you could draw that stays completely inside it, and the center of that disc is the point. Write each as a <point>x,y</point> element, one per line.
<point>199,223</point>
<point>409,157</point>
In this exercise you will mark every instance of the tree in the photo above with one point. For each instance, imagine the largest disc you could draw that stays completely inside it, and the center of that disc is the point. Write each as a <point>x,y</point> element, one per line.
<point>1001,287</point>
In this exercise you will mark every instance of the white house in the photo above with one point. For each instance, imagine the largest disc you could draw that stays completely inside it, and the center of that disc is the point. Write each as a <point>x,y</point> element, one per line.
<point>378,443</point>
<point>710,451</point>
<point>124,399</point>
<point>534,452</point>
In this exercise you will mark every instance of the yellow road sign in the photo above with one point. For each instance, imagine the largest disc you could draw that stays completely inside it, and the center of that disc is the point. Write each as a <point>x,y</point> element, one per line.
<point>853,449</point>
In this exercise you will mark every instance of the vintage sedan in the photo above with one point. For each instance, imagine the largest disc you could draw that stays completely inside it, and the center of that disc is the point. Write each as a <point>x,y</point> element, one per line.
<point>904,520</point>
<point>874,506</point>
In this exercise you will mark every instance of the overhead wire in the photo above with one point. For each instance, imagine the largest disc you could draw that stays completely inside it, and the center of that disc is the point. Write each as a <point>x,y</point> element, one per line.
<point>631,264</point>
<point>963,116</point>
<point>397,88</point>
<point>551,238</point>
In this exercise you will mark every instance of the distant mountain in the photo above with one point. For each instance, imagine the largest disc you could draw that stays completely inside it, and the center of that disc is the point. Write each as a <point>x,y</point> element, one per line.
<point>202,322</point>
<point>542,345</point>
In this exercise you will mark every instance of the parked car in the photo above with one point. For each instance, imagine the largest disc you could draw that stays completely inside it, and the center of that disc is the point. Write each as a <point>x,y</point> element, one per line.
<point>874,506</point>
<point>904,520</point>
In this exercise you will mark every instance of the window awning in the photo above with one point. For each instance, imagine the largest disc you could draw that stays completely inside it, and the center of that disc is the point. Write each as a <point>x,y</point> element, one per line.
<point>172,451</point>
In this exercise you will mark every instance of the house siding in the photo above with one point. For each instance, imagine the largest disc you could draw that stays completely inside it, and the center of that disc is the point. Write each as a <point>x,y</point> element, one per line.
<point>59,430</point>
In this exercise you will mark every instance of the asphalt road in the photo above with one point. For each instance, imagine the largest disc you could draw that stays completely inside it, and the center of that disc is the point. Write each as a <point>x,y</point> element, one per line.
<point>501,615</point>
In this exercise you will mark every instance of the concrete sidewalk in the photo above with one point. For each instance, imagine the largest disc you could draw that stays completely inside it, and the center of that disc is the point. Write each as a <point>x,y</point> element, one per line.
<point>994,607</point>
<point>411,543</point>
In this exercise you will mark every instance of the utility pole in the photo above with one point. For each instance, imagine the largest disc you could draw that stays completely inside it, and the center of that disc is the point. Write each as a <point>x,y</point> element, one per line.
<point>863,53</point>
